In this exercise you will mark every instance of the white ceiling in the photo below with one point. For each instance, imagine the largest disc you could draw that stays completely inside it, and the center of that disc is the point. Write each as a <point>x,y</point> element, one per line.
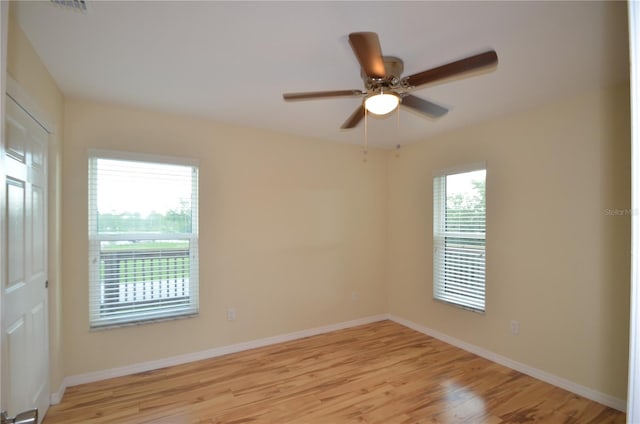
<point>231,61</point>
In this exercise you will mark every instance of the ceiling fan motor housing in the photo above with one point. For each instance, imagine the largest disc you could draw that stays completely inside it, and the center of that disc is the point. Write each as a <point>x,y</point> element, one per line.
<point>393,67</point>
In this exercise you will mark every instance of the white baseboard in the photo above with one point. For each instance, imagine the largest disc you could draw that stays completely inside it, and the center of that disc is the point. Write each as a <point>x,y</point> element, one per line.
<point>56,397</point>
<point>90,377</point>
<point>576,388</point>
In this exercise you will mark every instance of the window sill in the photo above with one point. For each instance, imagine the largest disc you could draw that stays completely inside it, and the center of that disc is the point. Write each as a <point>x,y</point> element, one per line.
<point>457,305</point>
<point>142,322</point>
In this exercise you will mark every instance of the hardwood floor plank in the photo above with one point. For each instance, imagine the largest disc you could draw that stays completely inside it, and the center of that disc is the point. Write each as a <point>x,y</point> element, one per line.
<point>381,373</point>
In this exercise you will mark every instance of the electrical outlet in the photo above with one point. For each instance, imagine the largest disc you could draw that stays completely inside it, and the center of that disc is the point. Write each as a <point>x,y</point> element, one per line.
<point>515,327</point>
<point>355,296</point>
<point>231,314</point>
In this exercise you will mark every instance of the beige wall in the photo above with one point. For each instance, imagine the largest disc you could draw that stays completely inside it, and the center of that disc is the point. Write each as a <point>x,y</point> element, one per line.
<point>557,261</point>
<point>289,228</point>
<point>25,67</point>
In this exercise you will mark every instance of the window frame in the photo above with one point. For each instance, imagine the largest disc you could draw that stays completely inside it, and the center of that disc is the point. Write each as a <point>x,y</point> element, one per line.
<point>96,321</point>
<point>439,240</point>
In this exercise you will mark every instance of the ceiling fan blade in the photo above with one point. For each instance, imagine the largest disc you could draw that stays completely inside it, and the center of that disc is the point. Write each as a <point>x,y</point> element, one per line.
<point>354,119</point>
<point>366,46</point>
<point>424,106</point>
<point>454,68</point>
<point>321,94</point>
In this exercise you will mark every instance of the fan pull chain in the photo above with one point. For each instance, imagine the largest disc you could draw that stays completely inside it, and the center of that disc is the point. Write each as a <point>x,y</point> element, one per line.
<point>366,136</point>
<point>397,155</point>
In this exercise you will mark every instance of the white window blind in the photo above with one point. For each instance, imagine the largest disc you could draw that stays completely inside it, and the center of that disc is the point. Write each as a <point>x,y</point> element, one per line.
<point>143,238</point>
<point>459,234</point>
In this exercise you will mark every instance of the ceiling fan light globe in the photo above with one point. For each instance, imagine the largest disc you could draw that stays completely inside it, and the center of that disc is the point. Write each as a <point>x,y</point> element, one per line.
<point>381,104</point>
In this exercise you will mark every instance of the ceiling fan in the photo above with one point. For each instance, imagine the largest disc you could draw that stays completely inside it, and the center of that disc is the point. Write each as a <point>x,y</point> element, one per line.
<point>385,89</point>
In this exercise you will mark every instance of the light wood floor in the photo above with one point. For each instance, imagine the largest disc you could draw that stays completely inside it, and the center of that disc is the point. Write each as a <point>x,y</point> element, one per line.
<point>378,373</point>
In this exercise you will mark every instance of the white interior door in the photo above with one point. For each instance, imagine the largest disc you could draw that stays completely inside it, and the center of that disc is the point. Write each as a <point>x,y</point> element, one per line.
<point>25,356</point>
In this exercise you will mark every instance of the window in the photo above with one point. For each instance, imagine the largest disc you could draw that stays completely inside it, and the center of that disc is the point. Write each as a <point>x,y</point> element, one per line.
<point>143,238</point>
<point>459,234</point>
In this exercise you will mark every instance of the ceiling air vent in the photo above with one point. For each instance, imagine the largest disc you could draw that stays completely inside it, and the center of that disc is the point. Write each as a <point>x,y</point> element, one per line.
<point>77,5</point>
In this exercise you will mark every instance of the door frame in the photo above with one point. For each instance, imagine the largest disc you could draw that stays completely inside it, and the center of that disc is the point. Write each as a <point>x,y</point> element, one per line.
<point>4,32</point>
<point>22,99</point>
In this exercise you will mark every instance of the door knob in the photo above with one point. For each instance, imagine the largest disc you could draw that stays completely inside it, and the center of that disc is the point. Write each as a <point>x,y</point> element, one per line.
<point>27,417</point>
